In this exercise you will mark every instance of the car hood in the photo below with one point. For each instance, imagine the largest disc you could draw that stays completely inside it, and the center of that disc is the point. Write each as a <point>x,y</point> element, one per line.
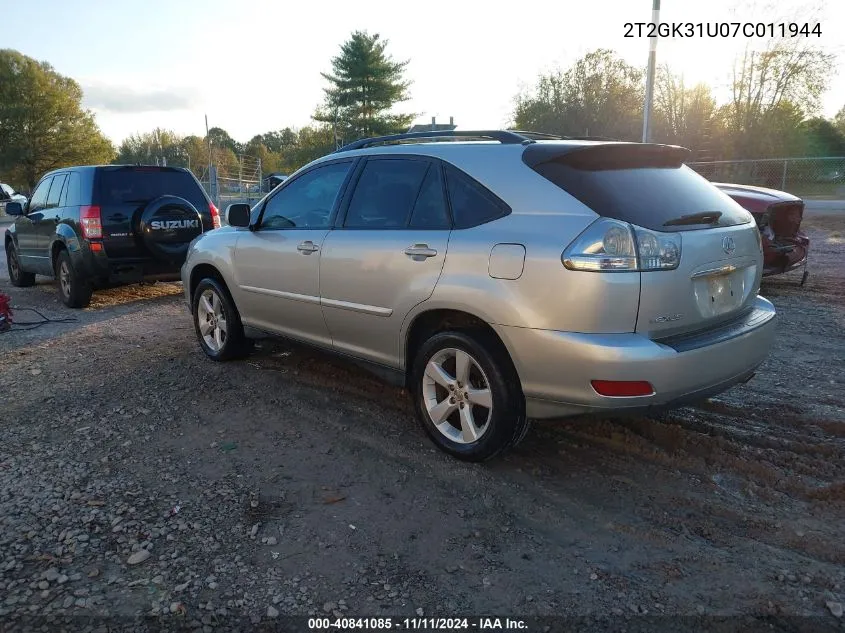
<point>785,211</point>
<point>759,194</point>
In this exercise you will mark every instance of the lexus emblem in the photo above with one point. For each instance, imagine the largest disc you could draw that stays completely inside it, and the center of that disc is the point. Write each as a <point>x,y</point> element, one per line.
<point>728,245</point>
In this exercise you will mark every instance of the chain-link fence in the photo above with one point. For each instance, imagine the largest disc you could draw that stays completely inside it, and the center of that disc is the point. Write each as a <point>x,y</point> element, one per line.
<point>239,180</point>
<point>806,177</point>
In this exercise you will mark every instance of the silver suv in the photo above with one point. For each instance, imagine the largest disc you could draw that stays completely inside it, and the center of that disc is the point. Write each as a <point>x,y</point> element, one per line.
<point>500,276</point>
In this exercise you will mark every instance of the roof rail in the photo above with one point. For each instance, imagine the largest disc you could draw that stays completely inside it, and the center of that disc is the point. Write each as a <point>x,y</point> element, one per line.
<point>506,137</point>
<point>539,136</point>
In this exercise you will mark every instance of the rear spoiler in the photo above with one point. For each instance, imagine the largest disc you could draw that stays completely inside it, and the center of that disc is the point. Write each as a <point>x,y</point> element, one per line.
<point>600,156</point>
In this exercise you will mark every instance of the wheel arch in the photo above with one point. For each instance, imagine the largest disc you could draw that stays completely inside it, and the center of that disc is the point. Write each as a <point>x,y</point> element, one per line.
<point>426,323</point>
<point>202,271</point>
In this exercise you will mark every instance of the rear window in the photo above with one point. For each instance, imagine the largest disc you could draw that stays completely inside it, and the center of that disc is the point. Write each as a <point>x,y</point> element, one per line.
<point>661,198</point>
<point>136,185</point>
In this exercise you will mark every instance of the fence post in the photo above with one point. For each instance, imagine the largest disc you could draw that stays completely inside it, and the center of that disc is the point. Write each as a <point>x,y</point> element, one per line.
<point>260,180</point>
<point>783,178</point>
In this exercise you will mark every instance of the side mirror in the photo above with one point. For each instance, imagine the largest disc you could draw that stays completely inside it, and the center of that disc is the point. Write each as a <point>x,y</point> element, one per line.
<point>14,208</point>
<point>238,214</point>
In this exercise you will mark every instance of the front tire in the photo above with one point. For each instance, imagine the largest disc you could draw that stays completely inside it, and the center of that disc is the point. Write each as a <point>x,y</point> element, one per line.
<point>467,396</point>
<point>17,276</point>
<point>74,289</point>
<point>217,322</point>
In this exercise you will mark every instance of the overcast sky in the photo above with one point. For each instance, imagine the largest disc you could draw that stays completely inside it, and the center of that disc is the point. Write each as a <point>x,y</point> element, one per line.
<point>254,65</point>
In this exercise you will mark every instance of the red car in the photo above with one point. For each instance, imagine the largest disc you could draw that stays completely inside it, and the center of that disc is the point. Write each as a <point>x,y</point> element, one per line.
<point>778,215</point>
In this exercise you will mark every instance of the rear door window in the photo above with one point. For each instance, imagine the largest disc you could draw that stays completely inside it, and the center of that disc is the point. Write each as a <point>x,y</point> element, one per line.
<point>138,185</point>
<point>386,194</point>
<point>430,210</point>
<point>56,190</point>
<point>660,198</point>
<point>72,194</point>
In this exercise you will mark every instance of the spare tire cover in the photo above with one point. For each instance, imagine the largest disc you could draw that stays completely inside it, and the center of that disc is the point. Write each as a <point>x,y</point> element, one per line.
<point>168,224</point>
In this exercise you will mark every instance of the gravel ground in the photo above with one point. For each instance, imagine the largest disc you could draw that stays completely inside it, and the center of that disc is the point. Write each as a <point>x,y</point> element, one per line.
<point>138,478</point>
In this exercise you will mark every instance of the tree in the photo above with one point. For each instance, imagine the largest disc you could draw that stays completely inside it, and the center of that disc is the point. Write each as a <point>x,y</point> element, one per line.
<point>43,125</point>
<point>779,83</point>
<point>822,138</point>
<point>839,121</point>
<point>683,116</point>
<point>150,147</point>
<point>364,85</point>
<point>599,95</point>
<point>220,138</point>
<point>277,141</point>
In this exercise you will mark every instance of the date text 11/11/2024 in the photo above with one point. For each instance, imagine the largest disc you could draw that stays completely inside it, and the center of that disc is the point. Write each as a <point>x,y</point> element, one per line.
<point>419,624</point>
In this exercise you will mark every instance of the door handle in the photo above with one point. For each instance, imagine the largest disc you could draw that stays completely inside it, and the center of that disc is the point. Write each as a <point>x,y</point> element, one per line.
<point>307,247</point>
<point>420,250</point>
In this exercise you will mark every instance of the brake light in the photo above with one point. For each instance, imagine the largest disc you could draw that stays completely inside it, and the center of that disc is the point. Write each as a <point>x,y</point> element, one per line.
<point>215,215</point>
<point>609,245</point>
<point>622,388</point>
<point>92,226</point>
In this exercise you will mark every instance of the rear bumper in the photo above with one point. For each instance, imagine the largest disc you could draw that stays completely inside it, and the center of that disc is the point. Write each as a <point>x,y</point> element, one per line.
<point>556,368</point>
<point>129,270</point>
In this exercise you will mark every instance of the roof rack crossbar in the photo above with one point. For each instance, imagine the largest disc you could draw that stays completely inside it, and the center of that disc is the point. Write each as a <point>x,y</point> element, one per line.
<point>506,137</point>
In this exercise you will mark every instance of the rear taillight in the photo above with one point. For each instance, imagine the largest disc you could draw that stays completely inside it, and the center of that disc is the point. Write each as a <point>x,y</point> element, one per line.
<point>215,215</point>
<point>92,226</point>
<point>609,245</point>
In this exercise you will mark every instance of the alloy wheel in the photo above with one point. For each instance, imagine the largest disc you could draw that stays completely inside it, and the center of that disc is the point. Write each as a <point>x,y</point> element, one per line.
<point>14,268</point>
<point>64,278</point>
<point>212,320</point>
<point>457,395</point>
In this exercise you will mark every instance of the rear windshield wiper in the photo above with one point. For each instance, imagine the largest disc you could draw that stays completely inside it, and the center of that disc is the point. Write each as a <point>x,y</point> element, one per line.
<point>705,217</point>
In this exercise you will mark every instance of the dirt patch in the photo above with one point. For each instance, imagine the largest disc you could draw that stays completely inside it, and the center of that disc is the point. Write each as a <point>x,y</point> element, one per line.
<point>293,481</point>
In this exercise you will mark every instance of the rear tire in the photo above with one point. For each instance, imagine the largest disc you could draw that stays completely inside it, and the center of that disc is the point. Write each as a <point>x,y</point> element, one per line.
<point>467,396</point>
<point>74,289</point>
<point>17,276</point>
<point>217,322</point>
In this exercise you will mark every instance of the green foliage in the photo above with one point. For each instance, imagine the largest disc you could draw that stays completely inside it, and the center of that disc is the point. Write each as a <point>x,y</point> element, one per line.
<point>364,85</point>
<point>150,147</point>
<point>683,116</point>
<point>839,120</point>
<point>772,91</point>
<point>821,137</point>
<point>42,123</point>
<point>599,95</point>
<point>220,138</point>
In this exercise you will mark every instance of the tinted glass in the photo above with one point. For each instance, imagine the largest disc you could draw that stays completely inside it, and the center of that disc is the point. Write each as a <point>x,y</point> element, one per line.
<point>385,194</point>
<point>307,201</point>
<point>56,190</point>
<point>471,204</point>
<point>72,195</point>
<point>39,196</point>
<point>137,185</point>
<point>649,197</point>
<point>430,210</point>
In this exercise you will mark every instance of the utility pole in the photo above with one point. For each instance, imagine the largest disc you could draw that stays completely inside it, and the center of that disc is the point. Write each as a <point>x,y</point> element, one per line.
<point>212,181</point>
<point>652,64</point>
